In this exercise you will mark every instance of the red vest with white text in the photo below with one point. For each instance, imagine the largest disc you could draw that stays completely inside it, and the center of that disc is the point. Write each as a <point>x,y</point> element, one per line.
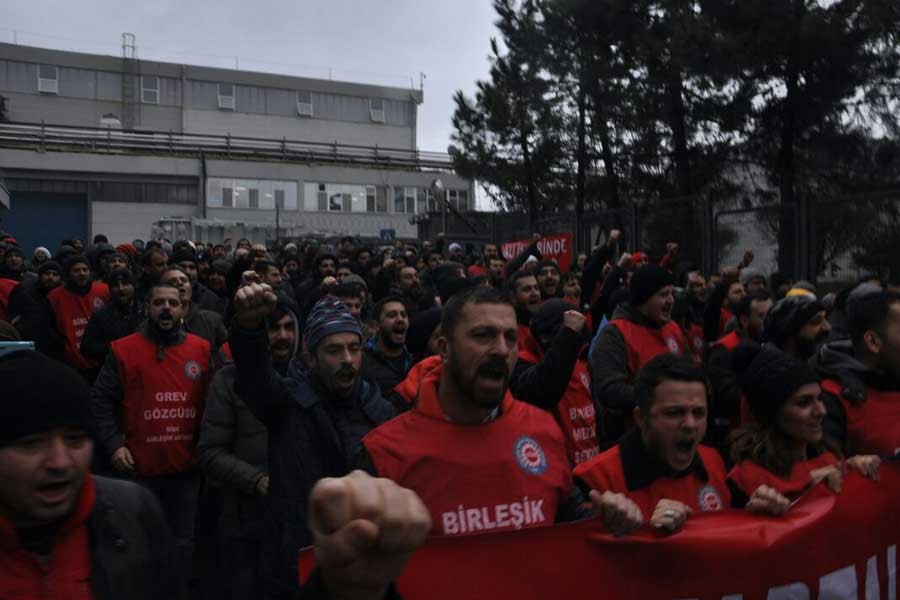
<point>873,426</point>
<point>73,311</point>
<point>163,400</point>
<point>646,343</point>
<point>575,411</point>
<point>507,474</point>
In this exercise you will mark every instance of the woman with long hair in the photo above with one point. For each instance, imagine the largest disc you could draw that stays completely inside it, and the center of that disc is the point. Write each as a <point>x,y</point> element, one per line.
<point>785,447</point>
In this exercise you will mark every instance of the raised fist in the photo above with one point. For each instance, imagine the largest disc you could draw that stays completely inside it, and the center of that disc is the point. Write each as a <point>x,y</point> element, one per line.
<point>574,320</point>
<point>253,303</point>
<point>626,261</point>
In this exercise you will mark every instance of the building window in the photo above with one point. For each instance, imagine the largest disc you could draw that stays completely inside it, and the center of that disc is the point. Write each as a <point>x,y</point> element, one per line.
<point>226,96</point>
<point>48,79</point>
<point>404,199</point>
<point>322,196</point>
<point>337,197</point>
<point>304,104</point>
<point>256,194</point>
<point>376,110</point>
<point>458,199</point>
<point>149,89</point>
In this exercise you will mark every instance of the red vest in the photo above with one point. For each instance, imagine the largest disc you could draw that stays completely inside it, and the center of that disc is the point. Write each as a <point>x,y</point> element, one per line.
<point>6,288</point>
<point>645,343</point>
<point>748,475</point>
<point>65,574</point>
<point>729,342</point>
<point>575,411</point>
<point>605,473</point>
<point>508,474</point>
<point>72,315</point>
<point>873,426</point>
<point>695,337</point>
<point>163,403</point>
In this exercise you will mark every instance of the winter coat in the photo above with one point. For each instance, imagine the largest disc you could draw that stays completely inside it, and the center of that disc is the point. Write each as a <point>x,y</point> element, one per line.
<point>311,435</point>
<point>105,326</point>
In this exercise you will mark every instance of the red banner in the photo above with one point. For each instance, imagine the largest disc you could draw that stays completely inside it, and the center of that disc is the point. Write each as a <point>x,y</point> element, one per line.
<point>827,546</point>
<point>557,247</point>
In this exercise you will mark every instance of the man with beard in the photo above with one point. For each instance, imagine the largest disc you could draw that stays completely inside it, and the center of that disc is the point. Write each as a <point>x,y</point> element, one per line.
<point>525,295</point>
<point>660,465</point>
<point>14,264</point>
<point>64,532</point>
<point>797,324</point>
<point>408,286</point>
<point>32,315</point>
<point>205,323</point>
<point>157,380</point>
<point>640,330</point>
<point>385,359</point>
<point>720,306</point>
<point>861,377</point>
<point>547,275</point>
<point>515,473</point>
<point>117,260</point>
<point>725,407</point>
<point>233,454</point>
<point>218,283</point>
<point>691,304</point>
<point>496,271</point>
<point>153,264</point>
<point>73,304</point>
<point>316,417</point>
<point>201,297</point>
<point>269,273</point>
<point>115,320</point>
<point>324,266</point>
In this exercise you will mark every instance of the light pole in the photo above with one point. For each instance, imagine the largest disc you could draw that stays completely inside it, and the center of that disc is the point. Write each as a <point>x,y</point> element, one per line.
<point>437,188</point>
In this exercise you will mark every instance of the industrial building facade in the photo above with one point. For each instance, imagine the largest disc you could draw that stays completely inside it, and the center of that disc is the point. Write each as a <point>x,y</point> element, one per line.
<point>136,149</point>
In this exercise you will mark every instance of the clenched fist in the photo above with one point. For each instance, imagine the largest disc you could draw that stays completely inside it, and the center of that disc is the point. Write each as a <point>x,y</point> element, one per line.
<point>253,303</point>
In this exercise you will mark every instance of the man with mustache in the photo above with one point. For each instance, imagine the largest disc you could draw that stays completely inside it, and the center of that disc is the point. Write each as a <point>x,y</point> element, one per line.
<point>797,324</point>
<point>204,323</point>
<point>385,359</point>
<point>316,416</point>
<point>639,331</point>
<point>64,532</point>
<point>233,454</point>
<point>115,320</point>
<point>660,465</point>
<point>501,463</point>
<point>157,380</point>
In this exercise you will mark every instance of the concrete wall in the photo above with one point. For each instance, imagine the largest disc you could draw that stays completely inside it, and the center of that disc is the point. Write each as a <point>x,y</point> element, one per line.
<point>124,221</point>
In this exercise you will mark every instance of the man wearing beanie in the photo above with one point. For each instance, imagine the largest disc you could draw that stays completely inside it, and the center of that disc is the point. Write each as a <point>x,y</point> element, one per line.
<point>552,373</point>
<point>40,256</point>
<point>639,331</point>
<point>31,314</point>
<point>548,278</point>
<point>185,258</point>
<point>218,284</point>
<point>61,528</point>
<point>157,379</point>
<point>797,325</point>
<point>73,304</point>
<point>861,377</point>
<point>115,320</point>
<point>315,416</point>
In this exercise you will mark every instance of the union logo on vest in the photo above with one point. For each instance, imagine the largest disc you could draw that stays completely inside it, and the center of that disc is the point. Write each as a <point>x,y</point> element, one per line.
<point>97,302</point>
<point>673,345</point>
<point>708,499</point>
<point>192,370</point>
<point>530,455</point>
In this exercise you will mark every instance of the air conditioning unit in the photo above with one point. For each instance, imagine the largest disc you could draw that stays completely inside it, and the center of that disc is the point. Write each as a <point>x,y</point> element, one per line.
<point>226,102</point>
<point>48,79</point>
<point>304,109</point>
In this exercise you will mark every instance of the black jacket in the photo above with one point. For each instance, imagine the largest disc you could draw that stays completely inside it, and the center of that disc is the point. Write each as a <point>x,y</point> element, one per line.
<point>836,361</point>
<point>32,315</point>
<point>206,324</point>
<point>130,544</point>
<point>385,372</point>
<point>544,384</point>
<point>106,325</point>
<point>311,436</point>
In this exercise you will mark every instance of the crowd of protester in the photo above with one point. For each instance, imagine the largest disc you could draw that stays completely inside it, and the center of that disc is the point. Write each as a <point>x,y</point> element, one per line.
<point>360,398</point>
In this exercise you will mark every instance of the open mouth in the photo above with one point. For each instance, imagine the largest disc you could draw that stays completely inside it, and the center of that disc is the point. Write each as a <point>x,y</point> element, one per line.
<point>54,492</point>
<point>685,448</point>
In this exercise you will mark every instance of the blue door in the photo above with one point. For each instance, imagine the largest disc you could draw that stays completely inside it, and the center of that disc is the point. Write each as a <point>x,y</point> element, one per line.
<point>45,219</point>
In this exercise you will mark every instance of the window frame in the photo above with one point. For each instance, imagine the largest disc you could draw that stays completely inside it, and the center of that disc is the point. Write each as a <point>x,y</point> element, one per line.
<point>47,85</point>
<point>302,109</point>
<point>376,115</point>
<point>145,89</point>
<point>226,101</point>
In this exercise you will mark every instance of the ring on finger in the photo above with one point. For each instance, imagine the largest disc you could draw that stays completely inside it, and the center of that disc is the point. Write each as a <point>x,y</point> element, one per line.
<point>669,513</point>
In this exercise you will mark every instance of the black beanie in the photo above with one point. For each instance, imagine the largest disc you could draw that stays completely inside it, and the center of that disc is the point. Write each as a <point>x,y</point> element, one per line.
<point>421,326</point>
<point>545,323</point>
<point>184,254</point>
<point>769,377</point>
<point>646,281</point>
<point>221,266</point>
<point>50,265</point>
<point>74,260</point>
<point>117,275</point>
<point>788,316</point>
<point>40,394</point>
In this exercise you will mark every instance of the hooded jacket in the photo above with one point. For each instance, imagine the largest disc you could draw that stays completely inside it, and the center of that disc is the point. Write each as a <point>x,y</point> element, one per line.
<point>107,325</point>
<point>863,404</point>
<point>311,435</point>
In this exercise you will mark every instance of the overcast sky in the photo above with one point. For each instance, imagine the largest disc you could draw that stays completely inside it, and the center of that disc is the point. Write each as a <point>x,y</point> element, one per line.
<point>387,42</point>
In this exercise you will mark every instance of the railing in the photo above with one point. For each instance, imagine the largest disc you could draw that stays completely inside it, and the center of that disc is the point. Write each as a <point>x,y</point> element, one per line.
<point>45,138</point>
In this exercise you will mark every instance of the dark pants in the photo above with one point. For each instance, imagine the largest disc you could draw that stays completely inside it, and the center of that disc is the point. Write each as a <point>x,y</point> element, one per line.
<point>177,495</point>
